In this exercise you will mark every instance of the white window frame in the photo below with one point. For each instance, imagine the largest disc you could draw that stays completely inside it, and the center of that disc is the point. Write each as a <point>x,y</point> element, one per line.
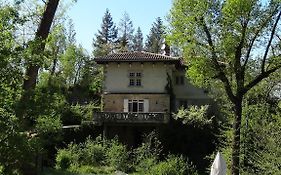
<point>135,79</point>
<point>142,105</point>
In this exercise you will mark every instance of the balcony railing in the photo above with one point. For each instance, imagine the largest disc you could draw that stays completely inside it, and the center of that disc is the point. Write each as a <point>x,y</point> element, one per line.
<point>125,117</point>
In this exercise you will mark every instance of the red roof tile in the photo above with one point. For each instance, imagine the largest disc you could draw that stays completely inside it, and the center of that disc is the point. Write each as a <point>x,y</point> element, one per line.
<point>136,57</point>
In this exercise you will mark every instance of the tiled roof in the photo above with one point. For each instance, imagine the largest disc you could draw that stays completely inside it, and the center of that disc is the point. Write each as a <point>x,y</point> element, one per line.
<point>136,56</point>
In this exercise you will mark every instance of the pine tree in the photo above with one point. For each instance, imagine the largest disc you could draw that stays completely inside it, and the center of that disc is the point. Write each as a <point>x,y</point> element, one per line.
<point>153,41</point>
<point>106,37</point>
<point>138,40</point>
<point>126,31</point>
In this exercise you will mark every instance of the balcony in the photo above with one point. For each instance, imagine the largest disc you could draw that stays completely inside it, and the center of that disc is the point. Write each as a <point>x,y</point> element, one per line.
<point>125,117</point>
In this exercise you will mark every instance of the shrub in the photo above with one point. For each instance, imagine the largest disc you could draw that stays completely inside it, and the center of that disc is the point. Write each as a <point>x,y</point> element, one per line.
<point>68,157</point>
<point>118,156</point>
<point>173,165</point>
<point>94,153</point>
<point>147,155</point>
<point>63,159</point>
<point>145,164</point>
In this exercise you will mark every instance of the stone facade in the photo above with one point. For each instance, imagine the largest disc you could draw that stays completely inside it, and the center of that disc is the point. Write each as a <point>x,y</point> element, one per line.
<point>157,102</point>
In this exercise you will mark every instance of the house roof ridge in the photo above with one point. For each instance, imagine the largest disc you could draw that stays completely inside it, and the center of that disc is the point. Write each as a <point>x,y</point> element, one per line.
<point>136,56</point>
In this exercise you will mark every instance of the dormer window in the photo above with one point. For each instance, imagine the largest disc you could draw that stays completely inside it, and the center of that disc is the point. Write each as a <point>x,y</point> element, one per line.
<point>135,78</point>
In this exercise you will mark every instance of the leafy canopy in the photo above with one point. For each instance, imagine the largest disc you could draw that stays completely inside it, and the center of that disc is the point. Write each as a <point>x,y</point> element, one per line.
<point>233,41</point>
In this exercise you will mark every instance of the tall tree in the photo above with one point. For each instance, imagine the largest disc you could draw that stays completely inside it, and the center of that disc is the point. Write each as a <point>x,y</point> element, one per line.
<point>56,46</point>
<point>221,41</point>
<point>153,41</point>
<point>105,40</point>
<point>39,45</point>
<point>138,40</point>
<point>125,31</point>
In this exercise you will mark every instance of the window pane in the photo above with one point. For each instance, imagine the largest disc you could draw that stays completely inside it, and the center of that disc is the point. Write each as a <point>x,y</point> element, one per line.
<point>135,106</point>
<point>138,83</point>
<point>132,82</point>
<point>138,74</point>
<point>140,107</point>
<point>132,74</point>
<point>130,105</point>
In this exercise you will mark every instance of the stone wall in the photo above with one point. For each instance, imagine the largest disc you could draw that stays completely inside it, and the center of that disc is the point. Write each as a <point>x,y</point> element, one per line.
<point>157,102</point>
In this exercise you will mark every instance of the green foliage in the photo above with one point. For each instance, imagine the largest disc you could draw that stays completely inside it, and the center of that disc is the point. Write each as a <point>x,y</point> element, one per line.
<point>106,37</point>
<point>94,152</point>
<point>14,148</point>
<point>194,115</point>
<point>45,102</point>
<point>92,76</point>
<point>261,138</point>
<point>48,124</point>
<point>72,61</point>
<point>125,31</point>
<point>118,156</point>
<point>68,157</point>
<point>225,50</point>
<point>63,159</point>
<point>138,40</point>
<point>1,170</point>
<point>173,165</point>
<point>148,154</point>
<point>157,32</point>
<point>106,156</point>
<point>80,156</point>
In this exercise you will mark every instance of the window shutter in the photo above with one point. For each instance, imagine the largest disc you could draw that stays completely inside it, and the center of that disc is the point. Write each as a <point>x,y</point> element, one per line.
<point>125,105</point>
<point>146,105</point>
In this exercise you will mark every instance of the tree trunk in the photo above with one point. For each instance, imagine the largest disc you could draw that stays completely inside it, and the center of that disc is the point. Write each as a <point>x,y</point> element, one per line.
<point>236,138</point>
<point>41,35</point>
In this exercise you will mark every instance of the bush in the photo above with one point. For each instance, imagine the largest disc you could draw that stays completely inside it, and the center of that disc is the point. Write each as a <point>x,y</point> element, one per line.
<point>145,164</point>
<point>94,153</point>
<point>63,159</point>
<point>173,165</point>
<point>68,157</point>
<point>118,156</point>
<point>105,157</point>
<point>148,154</point>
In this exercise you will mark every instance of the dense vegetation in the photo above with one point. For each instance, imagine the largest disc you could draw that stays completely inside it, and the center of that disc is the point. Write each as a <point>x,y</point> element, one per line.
<point>48,81</point>
<point>107,156</point>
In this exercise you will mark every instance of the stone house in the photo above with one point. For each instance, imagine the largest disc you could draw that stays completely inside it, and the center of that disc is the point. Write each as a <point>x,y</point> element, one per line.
<point>140,91</point>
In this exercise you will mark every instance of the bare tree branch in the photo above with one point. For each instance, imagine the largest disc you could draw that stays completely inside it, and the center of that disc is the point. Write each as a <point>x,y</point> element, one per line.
<point>259,78</point>
<point>269,42</point>
<point>221,75</point>
<point>256,34</point>
<point>278,37</point>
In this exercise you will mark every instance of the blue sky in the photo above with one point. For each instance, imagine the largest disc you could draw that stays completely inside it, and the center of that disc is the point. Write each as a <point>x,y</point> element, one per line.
<point>87,15</point>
